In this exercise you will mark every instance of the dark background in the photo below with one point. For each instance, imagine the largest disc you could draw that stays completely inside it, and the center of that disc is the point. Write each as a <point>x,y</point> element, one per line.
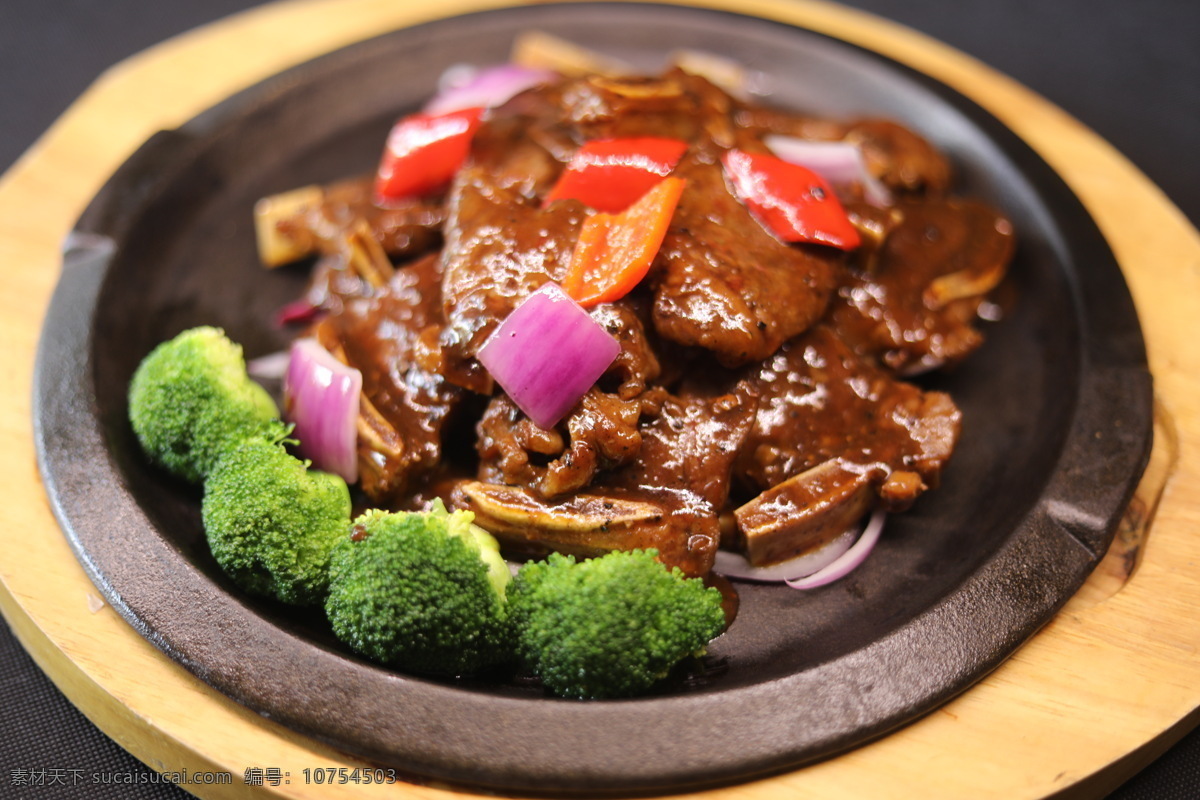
<point>1128,70</point>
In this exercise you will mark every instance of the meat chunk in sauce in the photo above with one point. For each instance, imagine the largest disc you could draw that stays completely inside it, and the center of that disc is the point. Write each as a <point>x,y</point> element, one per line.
<point>725,284</point>
<point>834,436</point>
<point>319,222</point>
<point>500,248</point>
<point>914,305</point>
<point>406,405</point>
<point>669,498</point>
<point>601,433</point>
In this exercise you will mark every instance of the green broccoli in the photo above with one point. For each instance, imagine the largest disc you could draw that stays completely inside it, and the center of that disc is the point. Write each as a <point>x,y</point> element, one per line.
<point>609,626</point>
<point>421,591</point>
<point>271,522</point>
<point>191,400</point>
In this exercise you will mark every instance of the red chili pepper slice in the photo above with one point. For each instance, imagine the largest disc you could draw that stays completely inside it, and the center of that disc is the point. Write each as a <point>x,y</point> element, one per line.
<point>793,202</point>
<point>615,251</point>
<point>423,152</point>
<point>611,174</point>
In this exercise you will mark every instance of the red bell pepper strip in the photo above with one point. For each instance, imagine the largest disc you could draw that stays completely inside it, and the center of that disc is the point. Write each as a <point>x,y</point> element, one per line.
<point>611,174</point>
<point>793,202</point>
<point>423,152</point>
<point>614,251</point>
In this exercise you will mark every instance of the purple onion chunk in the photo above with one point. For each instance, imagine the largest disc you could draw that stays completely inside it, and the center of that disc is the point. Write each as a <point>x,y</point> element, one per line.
<point>547,353</point>
<point>485,88</point>
<point>321,400</point>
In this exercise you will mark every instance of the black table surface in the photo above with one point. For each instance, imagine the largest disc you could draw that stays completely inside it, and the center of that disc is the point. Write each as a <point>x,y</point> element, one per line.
<point>1130,71</point>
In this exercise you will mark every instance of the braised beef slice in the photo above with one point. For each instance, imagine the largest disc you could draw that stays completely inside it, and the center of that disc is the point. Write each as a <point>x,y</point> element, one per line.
<point>722,282</point>
<point>500,248</point>
<point>833,437</point>
<point>818,400</point>
<point>914,304</point>
<point>600,433</point>
<point>504,147</point>
<point>899,157</point>
<point>690,446</point>
<point>406,406</point>
<point>676,105</point>
<point>761,120</point>
<point>637,365</point>
<point>406,229</point>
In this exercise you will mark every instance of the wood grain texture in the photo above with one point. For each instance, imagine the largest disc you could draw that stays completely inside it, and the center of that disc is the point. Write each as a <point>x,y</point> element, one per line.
<point>1099,692</point>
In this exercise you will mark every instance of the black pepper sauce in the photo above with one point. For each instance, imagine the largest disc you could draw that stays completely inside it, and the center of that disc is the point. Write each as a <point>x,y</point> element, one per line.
<point>914,305</point>
<point>820,401</point>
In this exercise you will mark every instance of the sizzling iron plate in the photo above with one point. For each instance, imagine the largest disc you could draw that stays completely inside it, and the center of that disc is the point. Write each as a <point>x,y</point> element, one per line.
<point>1057,410</point>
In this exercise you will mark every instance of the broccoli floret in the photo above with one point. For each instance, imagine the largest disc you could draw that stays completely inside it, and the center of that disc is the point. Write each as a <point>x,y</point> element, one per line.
<point>609,626</point>
<point>271,522</point>
<point>191,400</point>
<point>421,591</point>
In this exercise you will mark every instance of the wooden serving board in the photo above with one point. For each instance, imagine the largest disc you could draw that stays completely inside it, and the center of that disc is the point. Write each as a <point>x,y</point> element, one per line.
<point>1109,684</point>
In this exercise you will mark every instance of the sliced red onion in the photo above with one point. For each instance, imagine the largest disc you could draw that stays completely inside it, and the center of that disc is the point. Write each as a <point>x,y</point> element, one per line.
<point>271,367</point>
<point>840,163</point>
<point>321,399</point>
<point>735,565</point>
<point>485,88</point>
<point>848,561</point>
<point>296,312</point>
<point>547,353</point>
<point>456,75</point>
<point>831,561</point>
